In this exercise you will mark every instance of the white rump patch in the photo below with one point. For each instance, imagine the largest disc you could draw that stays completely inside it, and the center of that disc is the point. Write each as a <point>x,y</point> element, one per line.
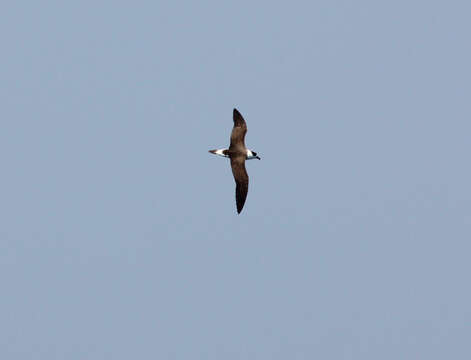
<point>220,152</point>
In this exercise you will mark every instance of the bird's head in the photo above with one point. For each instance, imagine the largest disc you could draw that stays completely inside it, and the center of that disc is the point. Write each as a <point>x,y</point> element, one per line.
<point>252,155</point>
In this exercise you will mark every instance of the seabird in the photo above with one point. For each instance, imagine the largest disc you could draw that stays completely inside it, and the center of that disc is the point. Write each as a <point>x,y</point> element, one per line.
<point>238,153</point>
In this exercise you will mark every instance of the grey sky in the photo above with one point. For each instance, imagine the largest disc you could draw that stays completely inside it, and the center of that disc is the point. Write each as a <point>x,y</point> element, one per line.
<point>119,237</point>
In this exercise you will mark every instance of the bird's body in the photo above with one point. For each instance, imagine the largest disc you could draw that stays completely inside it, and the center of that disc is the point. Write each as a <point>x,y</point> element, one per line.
<point>224,152</point>
<point>238,153</point>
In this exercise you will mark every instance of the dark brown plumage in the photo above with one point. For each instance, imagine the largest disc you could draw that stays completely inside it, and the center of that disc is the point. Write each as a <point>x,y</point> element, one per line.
<point>238,153</point>
<point>238,133</point>
<point>241,179</point>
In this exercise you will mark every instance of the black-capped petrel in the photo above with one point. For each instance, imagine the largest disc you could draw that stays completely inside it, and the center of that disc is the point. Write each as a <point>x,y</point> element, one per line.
<point>238,153</point>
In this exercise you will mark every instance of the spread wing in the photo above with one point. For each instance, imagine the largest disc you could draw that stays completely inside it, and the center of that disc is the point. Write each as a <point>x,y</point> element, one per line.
<point>242,180</point>
<point>238,131</point>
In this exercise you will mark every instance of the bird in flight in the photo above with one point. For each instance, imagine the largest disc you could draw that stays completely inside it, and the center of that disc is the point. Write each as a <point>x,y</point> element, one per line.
<point>238,153</point>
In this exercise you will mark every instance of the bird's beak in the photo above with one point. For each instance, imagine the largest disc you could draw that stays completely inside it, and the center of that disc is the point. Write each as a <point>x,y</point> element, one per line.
<point>258,157</point>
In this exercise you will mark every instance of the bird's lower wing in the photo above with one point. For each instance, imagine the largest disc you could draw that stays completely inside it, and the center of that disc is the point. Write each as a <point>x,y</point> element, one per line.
<point>242,181</point>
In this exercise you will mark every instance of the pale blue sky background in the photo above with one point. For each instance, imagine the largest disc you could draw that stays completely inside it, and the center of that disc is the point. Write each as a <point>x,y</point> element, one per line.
<point>119,237</point>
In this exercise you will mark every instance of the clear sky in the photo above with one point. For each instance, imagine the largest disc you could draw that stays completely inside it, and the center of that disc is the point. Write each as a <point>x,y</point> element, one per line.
<point>119,236</point>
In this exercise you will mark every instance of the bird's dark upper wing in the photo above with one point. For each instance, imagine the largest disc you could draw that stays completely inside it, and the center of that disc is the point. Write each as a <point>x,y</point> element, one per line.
<point>242,180</point>
<point>238,131</point>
